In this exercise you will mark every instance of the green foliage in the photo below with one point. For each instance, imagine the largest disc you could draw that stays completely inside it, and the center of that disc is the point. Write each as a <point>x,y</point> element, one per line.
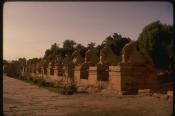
<point>53,52</point>
<point>68,46</point>
<point>5,65</point>
<point>91,45</point>
<point>81,49</point>
<point>68,89</point>
<point>98,48</point>
<point>156,40</point>
<point>32,63</point>
<point>116,42</point>
<point>91,57</point>
<point>13,69</point>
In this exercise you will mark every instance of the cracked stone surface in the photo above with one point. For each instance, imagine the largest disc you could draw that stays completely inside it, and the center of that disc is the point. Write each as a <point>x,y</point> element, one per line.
<point>23,99</point>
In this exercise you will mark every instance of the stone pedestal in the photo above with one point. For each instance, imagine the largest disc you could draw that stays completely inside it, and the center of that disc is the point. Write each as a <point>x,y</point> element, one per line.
<point>77,75</point>
<point>54,76</point>
<point>115,80</point>
<point>133,77</point>
<point>55,71</point>
<point>92,76</point>
<point>33,74</point>
<point>37,73</point>
<point>42,73</point>
<point>60,70</point>
<point>48,72</point>
<point>23,71</point>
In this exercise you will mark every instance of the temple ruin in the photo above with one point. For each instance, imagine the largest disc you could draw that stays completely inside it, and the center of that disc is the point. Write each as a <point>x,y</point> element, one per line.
<point>122,75</point>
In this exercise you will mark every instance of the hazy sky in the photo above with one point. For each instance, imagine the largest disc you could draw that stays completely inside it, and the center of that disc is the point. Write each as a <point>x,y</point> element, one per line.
<point>29,28</point>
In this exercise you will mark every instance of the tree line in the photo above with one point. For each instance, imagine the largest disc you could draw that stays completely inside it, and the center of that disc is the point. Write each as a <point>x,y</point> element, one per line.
<point>155,40</point>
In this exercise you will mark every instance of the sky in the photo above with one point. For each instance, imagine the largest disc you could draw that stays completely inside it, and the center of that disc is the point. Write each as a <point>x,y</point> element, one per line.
<point>29,28</point>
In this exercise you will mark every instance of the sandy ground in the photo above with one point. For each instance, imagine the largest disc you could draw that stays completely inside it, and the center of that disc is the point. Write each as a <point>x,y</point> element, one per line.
<point>23,99</point>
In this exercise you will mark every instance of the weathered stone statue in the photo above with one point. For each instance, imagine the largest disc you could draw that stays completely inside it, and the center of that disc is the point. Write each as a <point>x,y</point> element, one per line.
<point>139,67</point>
<point>131,55</point>
<point>107,56</point>
<point>91,57</point>
<point>76,58</point>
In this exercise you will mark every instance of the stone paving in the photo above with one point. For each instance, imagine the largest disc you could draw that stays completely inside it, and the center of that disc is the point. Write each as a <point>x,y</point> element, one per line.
<point>23,99</point>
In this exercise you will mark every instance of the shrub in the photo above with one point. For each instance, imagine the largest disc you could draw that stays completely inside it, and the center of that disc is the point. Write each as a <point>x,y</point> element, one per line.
<point>68,89</point>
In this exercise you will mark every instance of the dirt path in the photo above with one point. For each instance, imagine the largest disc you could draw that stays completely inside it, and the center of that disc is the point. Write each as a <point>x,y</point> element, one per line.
<point>24,99</point>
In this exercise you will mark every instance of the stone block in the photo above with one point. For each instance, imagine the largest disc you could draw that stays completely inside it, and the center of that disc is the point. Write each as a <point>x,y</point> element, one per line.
<point>93,89</point>
<point>92,76</point>
<point>170,93</point>
<point>77,75</point>
<point>114,68</point>
<point>115,82</point>
<point>84,82</point>
<point>144,91</point>
<point>81,89</point>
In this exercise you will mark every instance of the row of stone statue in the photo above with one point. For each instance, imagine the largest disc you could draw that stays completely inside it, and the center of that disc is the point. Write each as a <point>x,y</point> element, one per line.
<point>107,58</point>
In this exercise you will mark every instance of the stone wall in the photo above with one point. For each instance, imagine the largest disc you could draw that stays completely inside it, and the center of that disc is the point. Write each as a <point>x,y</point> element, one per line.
<point>124,78</point>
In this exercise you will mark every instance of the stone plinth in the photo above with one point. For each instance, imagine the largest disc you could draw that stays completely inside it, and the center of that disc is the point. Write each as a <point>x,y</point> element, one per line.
<point>55,71</point>
<point>133,77</point>
<point>54,76</point>
<point>115,82</point>
<point>84,82</point>
<point>170,93</point>
<point>92,76</point>
<point>48,72</point>
<point>130,80</point>
<point>60,70</point>
<point>144,92</point>
<point>42,72</point>
<point>77,75</point>
<point>23,72</point>
<point>33,74</point>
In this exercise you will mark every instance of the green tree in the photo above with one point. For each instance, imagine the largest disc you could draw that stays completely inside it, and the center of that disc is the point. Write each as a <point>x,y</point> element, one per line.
<point>69,46</point>
<point>81,49</point>
<point>47,54</point>
<point>13,69</point>
<point>116,42</point>
<point>54,53</point>
<point>91,45</point>
<point>98,48</point>
<point>156,40</point>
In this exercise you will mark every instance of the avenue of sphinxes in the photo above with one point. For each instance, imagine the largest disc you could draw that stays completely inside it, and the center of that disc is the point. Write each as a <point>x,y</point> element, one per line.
<point>124,74</point>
